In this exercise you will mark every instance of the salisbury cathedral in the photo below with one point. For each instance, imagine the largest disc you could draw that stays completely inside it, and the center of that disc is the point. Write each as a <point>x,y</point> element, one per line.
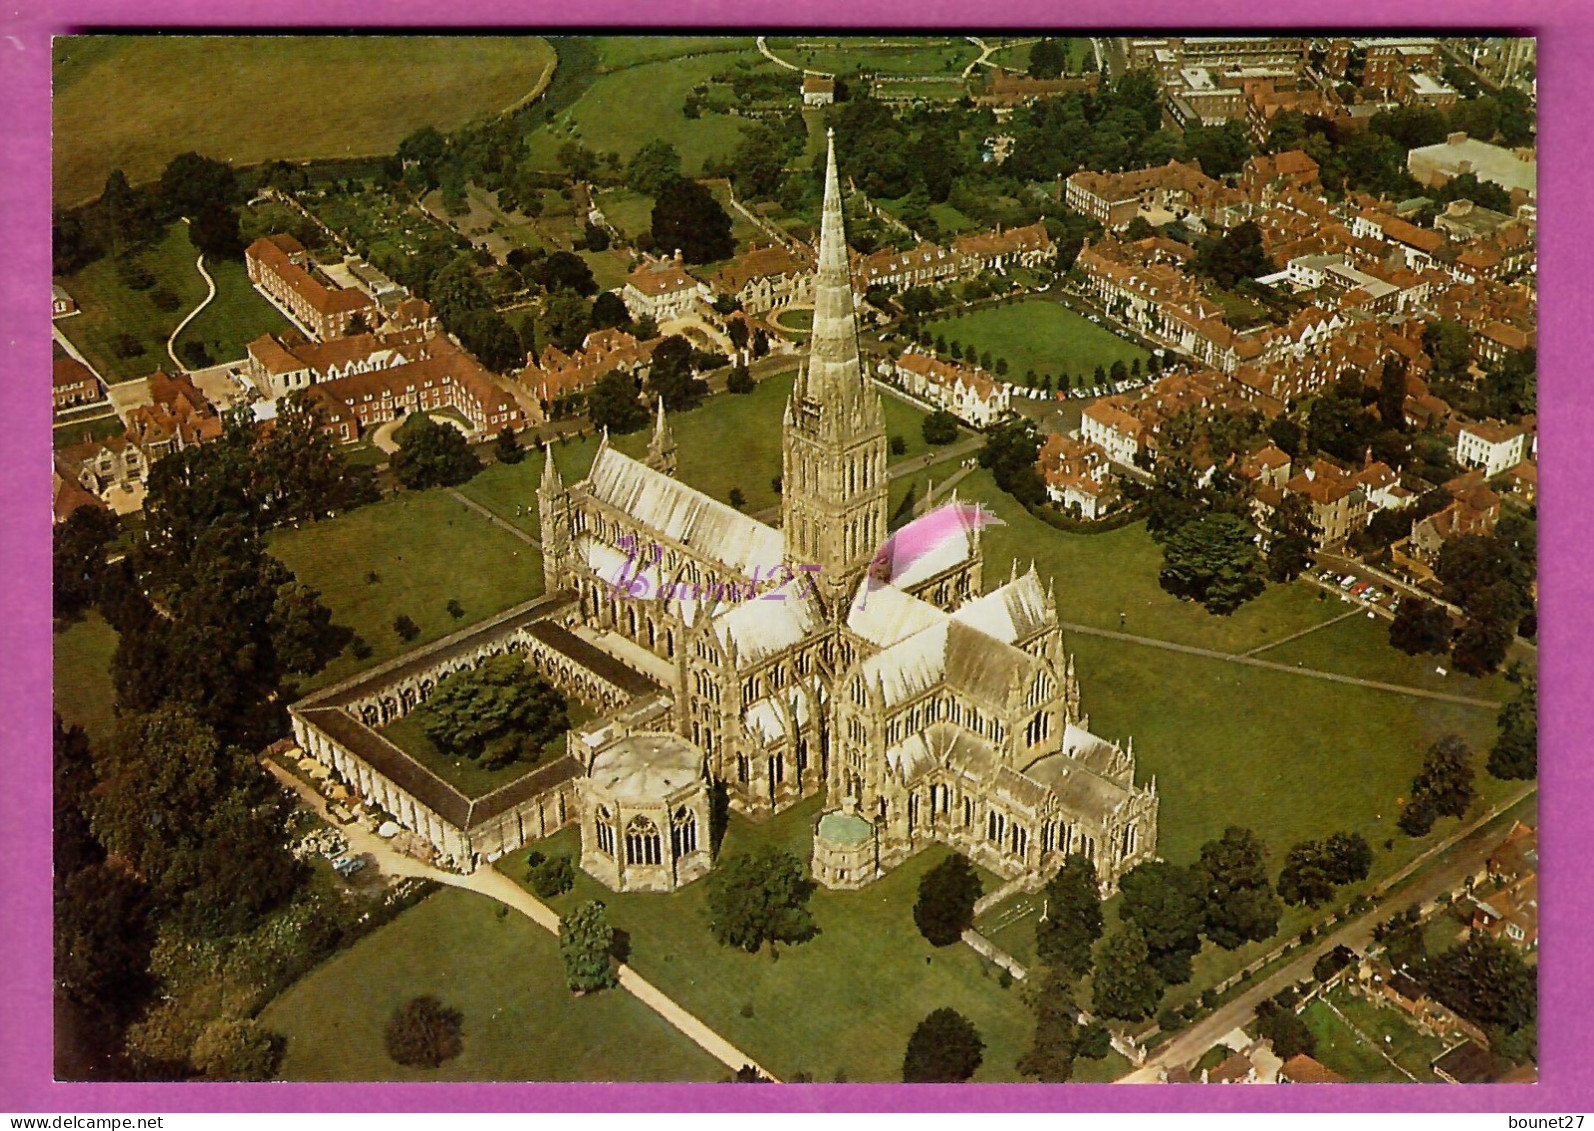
<point>923,707</point>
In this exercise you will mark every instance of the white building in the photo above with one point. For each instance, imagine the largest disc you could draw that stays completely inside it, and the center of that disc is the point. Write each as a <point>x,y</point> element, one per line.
<point>1492,446</point>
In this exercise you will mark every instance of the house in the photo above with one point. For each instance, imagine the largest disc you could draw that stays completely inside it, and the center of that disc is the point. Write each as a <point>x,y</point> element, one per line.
<point>1266,174</point>
<point>1302,1069</point>
<point>71,384</point>
<point>1419,88</point>
<point>1114,199</point>
<point>1470,1063</point>
<point>818,90</point>
<point>1077,475</point>
<point>1491,445</point>
<point>1511,913</point>
<point>558,374</point>
<point>1001,251</point>
<point>766,278</point>
<point>443,376</point>
<point>67,494</point>
<point>61,303</point>
<point>1517,855</point>
<point>278,366</point>
<point>662,290</point>
<point>1473,509</point>
<point>968,393</point>
<point>281,269</point>
<point>1236,1069</point>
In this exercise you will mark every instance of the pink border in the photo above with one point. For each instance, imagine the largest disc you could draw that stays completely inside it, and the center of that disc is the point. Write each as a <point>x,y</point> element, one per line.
<point>1566,50</point>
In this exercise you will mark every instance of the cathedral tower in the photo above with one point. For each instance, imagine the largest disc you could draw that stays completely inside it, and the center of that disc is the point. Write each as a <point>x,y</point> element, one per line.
<point>553,519</point>
<point>661,449</point>
<point>833,438</point>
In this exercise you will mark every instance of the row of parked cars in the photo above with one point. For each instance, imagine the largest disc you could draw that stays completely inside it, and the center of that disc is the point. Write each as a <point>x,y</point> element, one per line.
<point>1364,591</point>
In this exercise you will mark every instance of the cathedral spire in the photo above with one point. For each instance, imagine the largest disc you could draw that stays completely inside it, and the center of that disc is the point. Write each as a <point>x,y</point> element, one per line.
<point>661,449</point>
<point>551,482</point>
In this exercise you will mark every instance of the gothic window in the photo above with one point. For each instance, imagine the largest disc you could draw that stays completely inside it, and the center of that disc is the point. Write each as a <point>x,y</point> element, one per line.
<point>995,826</point>
<point>968,812</point>
<point>802,755</point>
<point>913,810</point>
<point>1048,836</point>
<point>741,768</point>
<point>605,825</point>
<point>1129,840</point>
<point>642,843</point>
<point>683,832</point>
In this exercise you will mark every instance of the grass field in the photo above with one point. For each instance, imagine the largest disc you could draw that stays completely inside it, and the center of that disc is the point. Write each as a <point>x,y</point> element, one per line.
<point>799,321</point>
<point>846,1001</point>
<point>109,307</point>
<point>505,975</point>
<point>896,55</point>
<point>82,674</point>
<point>618,51</point>
<point>605,117</point>
<point>1041,335</point>
<point>469,777</point>
<point>630,212</point>
<point>100,428</point>
<point>134,102</point>
<point>425,548</point>
<point>1341,1049</point>
<point>235,317</point>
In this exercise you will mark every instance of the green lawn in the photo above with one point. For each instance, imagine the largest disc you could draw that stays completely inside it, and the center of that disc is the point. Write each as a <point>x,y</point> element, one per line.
<point>628,50</point>
<point>1343,1051</point>
<point>82,675</point>
<point>134,102</point>
<point>470,778</point>
<point>630,212</point>
<point>1412,1050</point>
<point>606,117</point>
<point>100,428</point>
<point>846,1001</point>
<point>1039,334</point>
<point>110,308</point>
<point>235,317</point>
<point>800,321</point>
<point>1359,646</point>
<point>425,548</point>
<point>505,975</point>
<point>896,54</point>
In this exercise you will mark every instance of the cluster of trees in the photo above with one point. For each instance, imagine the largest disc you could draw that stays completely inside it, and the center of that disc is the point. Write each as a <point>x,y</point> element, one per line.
<point>1490,576</point>
<point>940,427</point>
<point>1048,58</point>
<point>586,942</point>
<point>550,876</point>
<point>1059,1039</point>
<point>1442,788</point>
<point>1313,869</point>
<point>1011,448</point>
<point>496,713</point>
<point>1119,127</point>
<point>1486,981</point>
<point>1515,753</point>
<point>1237,254</point>
<point>687,218</point>
<point>423,1033</point>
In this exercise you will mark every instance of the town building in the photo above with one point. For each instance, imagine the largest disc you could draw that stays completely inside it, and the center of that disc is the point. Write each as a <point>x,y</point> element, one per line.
<point>557,374</point>
<point>1516,171</point>
<point>1077,475</point>
<point>763,279</point>
<point>281,269</point>
<point>72,384</point>
<point>61,303</point>
<point>1491,445</point>
<point>818,90</point>
<point>662,290</point>
<point>967,392</point>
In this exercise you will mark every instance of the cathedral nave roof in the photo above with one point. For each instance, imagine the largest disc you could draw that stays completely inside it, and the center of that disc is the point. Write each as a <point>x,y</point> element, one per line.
<point>1012,613</point>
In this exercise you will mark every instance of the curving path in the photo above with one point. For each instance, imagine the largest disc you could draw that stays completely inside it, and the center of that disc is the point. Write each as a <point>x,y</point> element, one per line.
<point>171,342</point>
<point>492,883</point>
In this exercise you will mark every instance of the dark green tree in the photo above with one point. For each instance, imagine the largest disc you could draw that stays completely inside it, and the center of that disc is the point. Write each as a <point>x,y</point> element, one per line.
<point>1010,451</point>
<point>945,907</point>
<point>1348,856</point>
<point>1289,1034</point>
<point>945,1049</point>
<point>1240,904</point>
<point>1442,788</point>
<point>78,558</point>
<point>1052,1050</point>
<point>507,448</point>
<point>498,712</point>
<point>687,218</point>
<point>1515,753</point>
<point>1486,981</point>
<point>653,166</point>
<point>431,455</point>
<point>423,1033</point>
<point>761,897</point>
<point>1237,255</point>
<point>1164,900</point>
<point>1306,877</point>
<point>1420,626</point>
<point>1126,985</point>
<point>608,310</point>
<point>740,381</point>
<point>237,1048</point>
<point>1072,921</point>
<point>940,427</point>
<point>1292,539</point>
<point>1213,561</point>
<point>586,941</point>
<point>614,405</point>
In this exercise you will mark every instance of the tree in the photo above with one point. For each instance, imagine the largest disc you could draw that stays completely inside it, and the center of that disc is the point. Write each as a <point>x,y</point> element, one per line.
<point>565,271</point>
<point>213,229</point>
<point>1442,788</point>
<point>1165,902</point>
<point>1420,626</point>
<point>1306,877</point>
<point>1240,904</point>
<point>237,1048</point>
<point>740,381</point>
<point>432,454</point>
<point>614,405</point>
<point>497,712</point>
<point>1237,255</point>
<point>1392,393</point>
<point>671,374</point>
<point>102,942</point>
<point>1047,58</point>
<point>1072,922</point>
<point>1214,562</point>
<point>608,310</point>
<point>123,217</point>
<point>897,446</point>
<point>686,217</point>
<point>454,608</point>
<point>405,628</point>
<point>301,630</point>
<point>945,1049</point>
<point>947,894</point>
<point>585,941</point>
<point>652,167</point>
<point>78,558</point>
<point>423,1033</point>
<point>1348,857</point>
<point>940,427</point>
<point>1515,753</point>
<point>761,897</point>
<point>736,498</point>
<point>550,876</point>
<point>1292,538</point>
<point>1449,349</point>
<point>508,449</point>
<point>1280,1025</point>
<point>201,823</point>
<point>1010,451</point>
<point>1056,1042</point>
<point>1126,985</point>
<point>1486,981</point>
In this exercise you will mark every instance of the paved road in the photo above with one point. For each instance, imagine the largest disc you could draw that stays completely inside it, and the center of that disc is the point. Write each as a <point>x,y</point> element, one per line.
<point>171,342</point>
<point>1475,842</point>
<point>1251,661</point>
<point>492,883</point>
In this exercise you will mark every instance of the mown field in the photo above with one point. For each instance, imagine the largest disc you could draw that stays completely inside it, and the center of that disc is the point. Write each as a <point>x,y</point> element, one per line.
<point>505,975</point>
<point>1042,335</point>
<point>235,317</point>
<point>134,102</point>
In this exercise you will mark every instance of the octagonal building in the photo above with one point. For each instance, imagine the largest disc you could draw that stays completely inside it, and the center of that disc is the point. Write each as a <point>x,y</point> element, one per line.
<point>645,814</point>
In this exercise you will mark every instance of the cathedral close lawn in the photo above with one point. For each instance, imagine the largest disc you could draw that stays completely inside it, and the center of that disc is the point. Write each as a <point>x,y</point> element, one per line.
<point>505,975</point>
